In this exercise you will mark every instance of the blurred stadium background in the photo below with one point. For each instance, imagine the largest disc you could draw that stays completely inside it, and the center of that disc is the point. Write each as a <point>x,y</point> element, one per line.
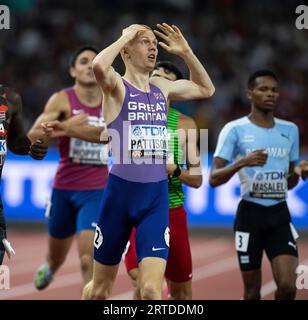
<point>232,38</point>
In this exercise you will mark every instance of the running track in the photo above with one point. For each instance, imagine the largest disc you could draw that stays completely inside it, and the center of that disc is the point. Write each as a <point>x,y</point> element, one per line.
<point>216,274</point>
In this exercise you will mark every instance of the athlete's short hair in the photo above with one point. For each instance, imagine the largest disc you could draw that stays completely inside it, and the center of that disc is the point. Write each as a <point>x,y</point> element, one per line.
<point>260,73</point>
<point>171,67</point>
<point>79,51</point>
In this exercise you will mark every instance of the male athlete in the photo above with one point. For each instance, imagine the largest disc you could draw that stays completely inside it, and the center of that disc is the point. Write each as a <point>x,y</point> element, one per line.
<point>135,110</point>
<point>264,150</point>
<point>82,172</point>
<point>13,136</point>
<point>179,264</point>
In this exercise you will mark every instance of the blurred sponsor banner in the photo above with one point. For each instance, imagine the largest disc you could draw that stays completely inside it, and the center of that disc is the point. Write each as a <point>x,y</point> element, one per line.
<point>26,188</point>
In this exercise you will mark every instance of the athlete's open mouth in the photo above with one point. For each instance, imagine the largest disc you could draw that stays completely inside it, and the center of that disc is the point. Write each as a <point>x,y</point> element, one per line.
<point>151,56</point>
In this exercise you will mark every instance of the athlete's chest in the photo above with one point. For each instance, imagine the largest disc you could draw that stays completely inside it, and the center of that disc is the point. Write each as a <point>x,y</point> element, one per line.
<point>275,141</point>
<point>145,107</point>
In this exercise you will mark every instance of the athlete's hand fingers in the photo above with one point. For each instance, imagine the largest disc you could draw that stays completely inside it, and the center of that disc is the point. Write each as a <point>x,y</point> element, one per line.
<point>164,46</point>
<point>38,149</point>
<point>161,35</point>
<point>163,29</point>
<point>50,124</point>
<point>176,29</point>
<point>169,28</point>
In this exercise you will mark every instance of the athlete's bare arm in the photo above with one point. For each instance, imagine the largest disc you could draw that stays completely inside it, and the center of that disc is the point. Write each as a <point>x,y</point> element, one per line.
<point>56,108</point>
<point>200,85</point>
<point>17,140</point>
<point>192,176</point>
<point>72,129</point>
<point>301,170</point>
<point>221,173</point>
<point>107,78</point>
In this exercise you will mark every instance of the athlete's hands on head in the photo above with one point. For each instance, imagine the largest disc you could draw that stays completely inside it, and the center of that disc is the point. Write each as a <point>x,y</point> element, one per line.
<point>132,31</point>
<point>174,40</point>
<point>60,128</point>
<point>302,169</point>
<point>255,158</point>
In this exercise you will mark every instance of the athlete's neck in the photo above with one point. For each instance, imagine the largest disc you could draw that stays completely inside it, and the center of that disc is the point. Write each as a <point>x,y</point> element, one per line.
<point>89,95</point>
<point>140,80</point>
<point>262,118</point>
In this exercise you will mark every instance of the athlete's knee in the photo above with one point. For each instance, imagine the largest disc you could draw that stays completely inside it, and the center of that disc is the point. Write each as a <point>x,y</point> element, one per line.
<point>150,290</point>
<point>86,263</point>
<point>285,291</point>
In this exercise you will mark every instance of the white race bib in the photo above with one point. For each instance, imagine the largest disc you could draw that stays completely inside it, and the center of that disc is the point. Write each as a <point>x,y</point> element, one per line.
<point>269,185</point>
<point>147,141</point>
<point>84,152</point>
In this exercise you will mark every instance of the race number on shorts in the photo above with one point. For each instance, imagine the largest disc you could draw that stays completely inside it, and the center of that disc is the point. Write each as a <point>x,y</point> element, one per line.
<point>241,241</point>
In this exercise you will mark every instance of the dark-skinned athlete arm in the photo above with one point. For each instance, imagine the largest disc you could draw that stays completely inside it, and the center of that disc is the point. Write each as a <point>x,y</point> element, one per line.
<point>293,177</point>
<point>220,173</point>
<point>17,140</point>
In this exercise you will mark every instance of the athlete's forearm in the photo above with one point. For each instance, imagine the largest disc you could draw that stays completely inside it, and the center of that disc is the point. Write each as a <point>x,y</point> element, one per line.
<point>192,180</point>
<point>293,179</point>
<point>20,146</point>
<point>87,133</point>
<point>198,74</point>
<point>106,57</point>
<point>219,176</point>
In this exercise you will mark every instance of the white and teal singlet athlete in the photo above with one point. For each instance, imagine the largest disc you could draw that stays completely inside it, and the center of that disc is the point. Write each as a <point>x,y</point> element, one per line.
<point>265,185</point>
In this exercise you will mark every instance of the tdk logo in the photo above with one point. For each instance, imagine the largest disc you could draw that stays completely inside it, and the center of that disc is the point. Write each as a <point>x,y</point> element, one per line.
<point>155,131</point>
<point>302,20</point>
<point>4,17</point>
<point>137,131</point>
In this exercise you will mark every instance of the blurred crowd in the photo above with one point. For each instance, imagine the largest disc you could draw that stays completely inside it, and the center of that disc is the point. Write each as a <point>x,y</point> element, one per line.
<point>232,38</point>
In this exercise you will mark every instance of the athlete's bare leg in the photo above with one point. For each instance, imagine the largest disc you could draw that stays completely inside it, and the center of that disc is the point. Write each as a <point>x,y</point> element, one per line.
<point>252,284</point>
<point>85,250</point>
<point>151,275</point>
<point>133,274</point>
<point>284,272</point>
<point>57,251</point>
<point>100,287</point>
<point>180,290</point>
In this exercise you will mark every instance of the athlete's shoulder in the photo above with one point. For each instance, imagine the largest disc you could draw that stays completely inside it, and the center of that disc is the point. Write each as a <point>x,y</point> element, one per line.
<point>236,123</point>
<point>59,101</point>
<point>162,84</point>
<point>61,94</point>
<point>286,123</point>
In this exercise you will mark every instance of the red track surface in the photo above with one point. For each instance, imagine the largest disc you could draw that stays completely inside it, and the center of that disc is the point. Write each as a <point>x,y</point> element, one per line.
<point>216,272</point>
